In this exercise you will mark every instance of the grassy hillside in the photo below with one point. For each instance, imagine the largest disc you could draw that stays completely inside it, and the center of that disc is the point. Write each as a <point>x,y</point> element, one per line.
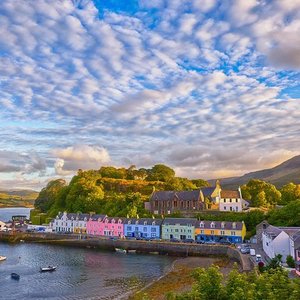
<point>286,172</point>
<point>23,198</point>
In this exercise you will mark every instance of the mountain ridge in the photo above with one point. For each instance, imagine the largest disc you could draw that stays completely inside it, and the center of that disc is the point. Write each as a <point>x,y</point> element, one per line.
<point>286,172</point>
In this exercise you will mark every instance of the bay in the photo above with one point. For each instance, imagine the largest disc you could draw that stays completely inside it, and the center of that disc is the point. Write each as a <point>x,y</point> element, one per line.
<point>7,213</point>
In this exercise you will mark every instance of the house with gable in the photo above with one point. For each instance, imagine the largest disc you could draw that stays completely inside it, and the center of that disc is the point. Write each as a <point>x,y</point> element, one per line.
<point>94,224</point>
<point>112,226</point>
<point>142,228</point>
<point>276,240</point>
<point>295,250</point>
<point>178,228</point>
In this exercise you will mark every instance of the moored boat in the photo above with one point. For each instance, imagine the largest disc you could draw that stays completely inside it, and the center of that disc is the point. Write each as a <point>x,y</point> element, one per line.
<point>131,251</point>
<point>48,269</point>
<point>15,276</point>
<point>2,258</point>
<point>120,250</point>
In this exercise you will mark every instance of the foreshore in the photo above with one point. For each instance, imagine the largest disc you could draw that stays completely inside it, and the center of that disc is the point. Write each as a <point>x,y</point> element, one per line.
<point>179,277</point>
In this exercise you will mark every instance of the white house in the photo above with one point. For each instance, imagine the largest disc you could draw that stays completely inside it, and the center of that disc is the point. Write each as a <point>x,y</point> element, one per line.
<point>2,226</point>
<point>70,222</point>
<point>276,240</point>
<point>295,250</point>
<point>231,201</point>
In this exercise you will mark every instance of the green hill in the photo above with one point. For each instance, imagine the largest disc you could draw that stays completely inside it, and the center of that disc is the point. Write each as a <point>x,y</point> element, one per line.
<point>18,198</point>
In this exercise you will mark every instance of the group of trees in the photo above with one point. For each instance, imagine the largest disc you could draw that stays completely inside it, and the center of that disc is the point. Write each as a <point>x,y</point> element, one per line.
<point>110,190</point>
<point>264,194</point>
<point>273,284</point>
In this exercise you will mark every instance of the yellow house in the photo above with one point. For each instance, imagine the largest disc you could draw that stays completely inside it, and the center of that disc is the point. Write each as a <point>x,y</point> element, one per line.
<point>220,231</point>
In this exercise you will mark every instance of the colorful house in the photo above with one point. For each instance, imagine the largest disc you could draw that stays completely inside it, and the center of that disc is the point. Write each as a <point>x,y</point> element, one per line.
<point>70,223</point>
<point>112,226</point>
<point>178,228</point>
<point>144,227</point>
<point>94,225</point>
<point>220,231</point>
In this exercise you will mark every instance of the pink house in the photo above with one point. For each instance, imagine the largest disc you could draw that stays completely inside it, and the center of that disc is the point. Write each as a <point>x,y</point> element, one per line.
<point>94,225</point>
<point>105,226</point>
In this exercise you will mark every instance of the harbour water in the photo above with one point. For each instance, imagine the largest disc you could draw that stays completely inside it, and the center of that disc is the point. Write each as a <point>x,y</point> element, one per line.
<point>7,213</point>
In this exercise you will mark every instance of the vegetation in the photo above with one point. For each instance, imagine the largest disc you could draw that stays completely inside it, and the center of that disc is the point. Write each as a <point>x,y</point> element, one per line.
<point>272,284</point>
<point>112,191</point>
<point>290,261</point>
<point>20,198</point>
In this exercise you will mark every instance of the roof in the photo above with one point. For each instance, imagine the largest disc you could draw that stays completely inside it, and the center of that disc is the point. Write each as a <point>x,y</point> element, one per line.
<point>272,231</point>
<point>218,225</point>
<point>96,217</point>
<point>142,221</point>
<point>109,219</point>
<point>179,221</point>
<point>181,195</point>
<point>207,191</point>
<point>230,194</point>
<point>74,216</point>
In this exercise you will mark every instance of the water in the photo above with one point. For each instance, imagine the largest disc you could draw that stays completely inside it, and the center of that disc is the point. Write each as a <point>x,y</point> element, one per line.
<point>7,213</point>
<point>81,273</point>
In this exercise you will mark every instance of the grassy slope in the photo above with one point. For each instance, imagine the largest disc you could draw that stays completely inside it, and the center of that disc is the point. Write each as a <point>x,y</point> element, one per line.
<point>20,198</point>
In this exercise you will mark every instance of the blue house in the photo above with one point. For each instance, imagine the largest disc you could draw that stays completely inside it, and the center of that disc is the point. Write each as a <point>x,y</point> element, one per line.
<point>142,228</point>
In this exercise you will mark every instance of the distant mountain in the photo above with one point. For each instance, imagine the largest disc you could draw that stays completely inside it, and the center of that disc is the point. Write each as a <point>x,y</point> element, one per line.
<point>13,198</point>
<point>288,171</point>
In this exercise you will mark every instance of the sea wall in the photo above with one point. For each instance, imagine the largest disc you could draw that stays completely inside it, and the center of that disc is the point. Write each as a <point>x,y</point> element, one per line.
<point>161,247</point>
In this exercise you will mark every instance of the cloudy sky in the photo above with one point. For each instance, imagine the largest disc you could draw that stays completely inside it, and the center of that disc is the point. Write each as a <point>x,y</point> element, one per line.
<point>209,87</point>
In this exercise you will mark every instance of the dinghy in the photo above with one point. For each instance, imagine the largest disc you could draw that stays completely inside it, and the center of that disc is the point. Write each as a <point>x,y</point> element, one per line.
<point>48,269</point>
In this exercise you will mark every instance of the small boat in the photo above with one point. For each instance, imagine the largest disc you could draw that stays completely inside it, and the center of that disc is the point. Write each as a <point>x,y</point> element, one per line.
<point>2,258</point>
<point>120,250</point>
<point>15,276</point>
<point>22,241</point>
<point>48,269</point>
<point>131,251</point>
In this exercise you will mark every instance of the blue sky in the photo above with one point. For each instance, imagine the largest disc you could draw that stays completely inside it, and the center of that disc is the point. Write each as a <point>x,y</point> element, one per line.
<point>209,87</point>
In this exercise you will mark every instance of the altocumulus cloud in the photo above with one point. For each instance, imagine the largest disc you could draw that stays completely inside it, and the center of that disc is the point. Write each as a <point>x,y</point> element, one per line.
<point>77,157</point>
<point>199,85</point>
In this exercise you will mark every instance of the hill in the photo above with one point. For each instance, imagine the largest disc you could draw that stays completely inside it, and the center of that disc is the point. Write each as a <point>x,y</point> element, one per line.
<point>286,172</point>
<point>16,198</point>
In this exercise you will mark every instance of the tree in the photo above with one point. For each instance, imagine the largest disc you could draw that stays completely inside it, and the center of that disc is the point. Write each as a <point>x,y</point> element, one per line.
<point>49,194</point>
<point>290,261</point>
<point>200,183</point>
<point>160,172</point>
<point>289,192</point>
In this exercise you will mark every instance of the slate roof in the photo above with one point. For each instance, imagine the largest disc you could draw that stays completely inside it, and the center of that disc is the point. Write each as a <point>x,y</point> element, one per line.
<point>180,221</point>
<point>218,225</point>
<point>272,231</point>
<point>142,221</point>
<point>115,218</point>
<point>296,238</point>
<point>95,217</point>
<point>230,194</point>
<point>181,195</point>
<point>74,216</point>
<point>207,191</point>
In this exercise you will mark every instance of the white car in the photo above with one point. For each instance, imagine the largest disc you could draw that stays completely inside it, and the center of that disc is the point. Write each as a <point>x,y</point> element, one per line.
<point>258,258</point>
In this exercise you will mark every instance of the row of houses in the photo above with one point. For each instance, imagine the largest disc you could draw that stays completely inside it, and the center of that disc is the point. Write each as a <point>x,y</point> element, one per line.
<point>281,240</point>
<point>208,198</point>
<point>168,228</point>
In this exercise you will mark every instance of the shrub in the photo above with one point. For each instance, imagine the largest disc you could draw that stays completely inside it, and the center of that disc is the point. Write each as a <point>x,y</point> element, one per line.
<point>290,261</point>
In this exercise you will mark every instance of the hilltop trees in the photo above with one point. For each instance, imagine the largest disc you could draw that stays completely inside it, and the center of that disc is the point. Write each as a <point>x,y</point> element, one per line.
<point>261,193</point>
<point>289,192</point>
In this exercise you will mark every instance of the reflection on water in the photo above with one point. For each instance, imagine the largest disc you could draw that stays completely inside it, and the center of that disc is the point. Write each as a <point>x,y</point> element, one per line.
<point>81,273</point>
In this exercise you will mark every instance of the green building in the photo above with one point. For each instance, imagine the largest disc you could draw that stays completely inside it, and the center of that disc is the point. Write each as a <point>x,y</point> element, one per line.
<point>178,228</point>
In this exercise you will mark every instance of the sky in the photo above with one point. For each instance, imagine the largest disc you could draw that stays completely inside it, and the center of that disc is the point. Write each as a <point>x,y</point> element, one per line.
<point>210,88</point>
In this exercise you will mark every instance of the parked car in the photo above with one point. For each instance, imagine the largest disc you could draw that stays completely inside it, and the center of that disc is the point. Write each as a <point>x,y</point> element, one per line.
<point>200,242</point>
<point>258,258</point>
<point>245,250</point>
<point>174,240</point>
<point>189,241</point>
<point>210,242</point>
<point>252,252</point>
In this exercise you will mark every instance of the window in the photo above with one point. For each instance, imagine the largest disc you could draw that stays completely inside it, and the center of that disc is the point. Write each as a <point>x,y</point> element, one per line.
<point>136,229</point>
<point>202,231</point>
<point>222,225</point>
<point>212,225</point>
<point>129,228</point>
<point>212,232</point>
<point>176,230</point>
<point>232,232</point>
<point>201,225</point>
<point>234,225</point>
<point>145,223</point>
<point>230,200</point>
<point>224,200</point>
<point>222,232</point>
<point>129,222</point>
<point>145,229</point>
<point>153,223</point>
<point>153,229</point>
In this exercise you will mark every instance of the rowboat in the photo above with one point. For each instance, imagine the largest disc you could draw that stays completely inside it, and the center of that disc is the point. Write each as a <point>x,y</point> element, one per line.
<point>15,276</point>
<point>2,258</point>
<point>48,269</point>
<point>120,250</point>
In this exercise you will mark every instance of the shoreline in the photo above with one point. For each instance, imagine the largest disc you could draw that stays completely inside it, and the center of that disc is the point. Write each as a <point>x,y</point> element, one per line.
<point>179,272</point>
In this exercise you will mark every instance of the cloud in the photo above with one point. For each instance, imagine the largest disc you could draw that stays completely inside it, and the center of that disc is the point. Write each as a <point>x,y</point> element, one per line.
<point>77,157</point>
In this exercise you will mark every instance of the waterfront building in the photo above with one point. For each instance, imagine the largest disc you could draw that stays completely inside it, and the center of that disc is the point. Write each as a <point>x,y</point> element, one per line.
<point>220,231</point>
<point>111,226</point>
<point>70,223</point>
<point>2,226</point>
<point>232,201</point>
<point>94,224</point>
<point>178,228</point>
<point>277,240</point>
<point>142,228</point>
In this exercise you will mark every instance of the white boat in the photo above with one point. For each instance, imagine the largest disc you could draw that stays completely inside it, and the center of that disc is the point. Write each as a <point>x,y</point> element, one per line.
<point>131,251</point>
<point>48,269</point>
<point>2,258</point>
<point>120,250</point>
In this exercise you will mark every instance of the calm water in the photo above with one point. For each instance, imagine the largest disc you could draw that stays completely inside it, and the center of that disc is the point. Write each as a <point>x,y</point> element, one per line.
<point>81,273</point>
<point>7,213</point>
